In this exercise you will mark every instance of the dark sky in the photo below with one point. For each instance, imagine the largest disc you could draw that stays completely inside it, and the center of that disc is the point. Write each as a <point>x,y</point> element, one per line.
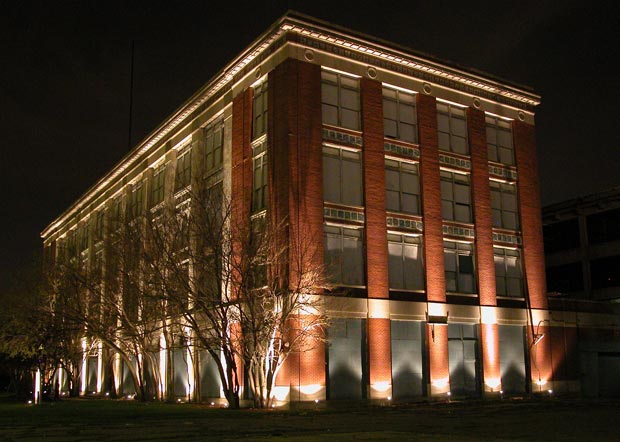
<point>64,83</point>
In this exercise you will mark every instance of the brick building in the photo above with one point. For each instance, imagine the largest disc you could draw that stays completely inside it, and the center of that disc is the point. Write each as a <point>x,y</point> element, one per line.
<point>419,182</point>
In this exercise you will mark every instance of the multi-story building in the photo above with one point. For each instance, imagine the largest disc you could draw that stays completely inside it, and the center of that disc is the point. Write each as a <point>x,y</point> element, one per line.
<point>421,179</point>
<point>582,254</point>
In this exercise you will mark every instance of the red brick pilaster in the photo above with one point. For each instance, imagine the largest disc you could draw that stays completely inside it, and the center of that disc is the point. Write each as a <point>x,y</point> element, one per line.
<point>296,196</point>
<point>379,358</point>
<point>374,189</point>
<point>490,357</point>
<point>541,366</point>
<point>439,373</point>
<point>431,199</point>
<point>529,205</point>
<point>476,128</point>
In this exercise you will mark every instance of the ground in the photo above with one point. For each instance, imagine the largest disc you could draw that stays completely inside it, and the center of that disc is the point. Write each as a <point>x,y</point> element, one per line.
<point>502,420</point>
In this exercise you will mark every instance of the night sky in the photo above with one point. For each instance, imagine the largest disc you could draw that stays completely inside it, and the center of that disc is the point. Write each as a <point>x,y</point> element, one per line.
<point>64,83</point>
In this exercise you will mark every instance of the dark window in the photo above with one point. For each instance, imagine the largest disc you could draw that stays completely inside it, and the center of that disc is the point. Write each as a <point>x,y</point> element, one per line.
<point>603,227</point>
<point>565,279</point>
<point>561,236</point>
<point>605,272</point>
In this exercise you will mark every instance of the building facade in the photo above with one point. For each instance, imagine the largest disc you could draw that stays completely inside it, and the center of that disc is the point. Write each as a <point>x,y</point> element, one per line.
<point>582,253</point>
<point>417,182</point>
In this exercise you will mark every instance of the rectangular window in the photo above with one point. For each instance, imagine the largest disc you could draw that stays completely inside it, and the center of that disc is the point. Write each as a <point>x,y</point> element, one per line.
<point>342,176</point>
<point>259,178</point>
<point>99,225</point>
<point>157,186</point>
<point>504,205</point>
<point>455,197</point>
<point>135,200</point>
<point>83,235</point>
<point>452,128</point>
<point>459,267</point>
<point>508,274</point>
<point>499,141</point>
<point>259,111</point>
<point>183,169</point>
<point>402,187</point>
<point>214,143</point>
<point>399,115</point>
<point>344,255</point>
<point>405,262</point>
<point>340,97</point>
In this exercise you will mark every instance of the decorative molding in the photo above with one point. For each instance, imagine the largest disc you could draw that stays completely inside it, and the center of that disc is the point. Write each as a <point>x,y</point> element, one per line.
<point>507,238</point>
<point>502,172</point>
<point>404,223</point>
<point>344,214</point>
<point>342,137</point>
<point>449,160</point>
<point>462,232</point>
<point>403,151</point>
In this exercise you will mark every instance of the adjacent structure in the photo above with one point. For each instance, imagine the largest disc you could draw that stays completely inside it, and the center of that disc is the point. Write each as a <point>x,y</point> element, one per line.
<point>420,178</point>
<point>582,248</point>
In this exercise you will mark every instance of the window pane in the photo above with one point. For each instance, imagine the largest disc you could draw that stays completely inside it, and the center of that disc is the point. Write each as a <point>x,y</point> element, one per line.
<point>458,127</point>
<point>514,287</point>
<point>504,139</point>
<point>449,261</point>
<point>350,119</point>
<point>500,286</point>
<point>329,94</point>
<point>330,114</point>
<point>443,123</point>
<point>466,264</point>
<point>414,275</point>
<point>446,191</point>
<point>406,113</point>
<point>392,179</point>
<point>459,145</point>
<point>410,203</point>
<point>466,283</point>
<point>331,179</point>
<point>447,211</point>
<point>391,201</point>
<point>462,213</point>
<point>461,193</point>
<point>389,109</point>
<point>395,265</point>
<point>350,99</point>
<point>444,141</point>
<point>352,178</point>
<point>389,128</point>
<point>408,133</point>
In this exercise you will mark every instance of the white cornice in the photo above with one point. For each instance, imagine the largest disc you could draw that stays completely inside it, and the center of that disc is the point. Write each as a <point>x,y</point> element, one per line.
<point>305,27</point>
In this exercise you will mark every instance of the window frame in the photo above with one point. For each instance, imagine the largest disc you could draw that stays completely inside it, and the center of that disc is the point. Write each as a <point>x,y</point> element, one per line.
<point>344,156</point>
<point>260,110</point>
<point>213,151</point>
<point>452,118</point>
<point>342,87</point>
<point>460,249</point>
<point>342,233</point>
<point>503,252</point>
<point>497,124</point>
<point>403,167</point>
<point>403,241</point>
<point>464,180</point>
<point>501,189</point>
<point>398,121</point>
<point>260,181</point>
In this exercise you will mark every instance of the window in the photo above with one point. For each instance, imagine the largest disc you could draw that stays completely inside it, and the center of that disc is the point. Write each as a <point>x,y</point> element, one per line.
<point>399,115</point>
<point>459,267</point>
<point>214,142</point>
<point>342,176</point>
<point>602,227</point>
<point>259,180</point>
<point>259,111</point>
<point>83,235</point>
<point>455,197</point>
<point>183,169</point>
<point>344,255</point>
<point>452,128</point>
<point>499,141</point>
<point>405,262</point>
<point>135,200</point>
<point>99,225</point>
<point>340,96</point>
<point>402,187</point>
<point>504,205</point>
<point>157,187</point>
<point>508,275</point>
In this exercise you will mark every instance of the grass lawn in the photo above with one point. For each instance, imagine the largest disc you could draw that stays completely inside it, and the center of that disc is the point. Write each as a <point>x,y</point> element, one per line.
<point>106,420</point>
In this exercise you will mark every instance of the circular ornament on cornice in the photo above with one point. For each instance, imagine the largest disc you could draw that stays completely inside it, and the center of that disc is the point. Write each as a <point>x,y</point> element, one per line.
<point>372,72</point>
<point>427,88</point>
<point>521,116</point>
<point>257,73</point>
<point>477,103</point>
<point>309,55</point>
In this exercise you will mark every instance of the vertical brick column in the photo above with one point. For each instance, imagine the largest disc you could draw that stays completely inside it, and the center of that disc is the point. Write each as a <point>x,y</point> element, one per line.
<point>481,192</point>
<point>529,207</point>
<point>431,199</point>
<point>490,358</point>
<point>439,376</point>
<point>296,198</point>
<point>379,341</point>
<point>241,194</point>
<point>533,255</point>
<point>437,335</point>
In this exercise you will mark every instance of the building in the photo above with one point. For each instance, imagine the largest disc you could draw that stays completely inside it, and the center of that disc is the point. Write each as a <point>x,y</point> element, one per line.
<point>582,254</point>
<point>420,177</point>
